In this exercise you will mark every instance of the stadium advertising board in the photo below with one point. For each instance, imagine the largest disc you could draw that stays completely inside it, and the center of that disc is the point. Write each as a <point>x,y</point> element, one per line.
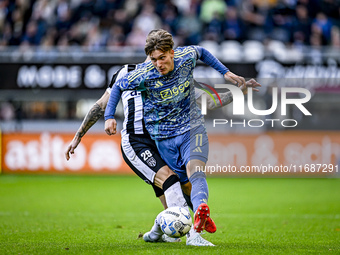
<point>294,153</point>
<point>44,153</point>
<point>79,75</point>
<point>59,76</point>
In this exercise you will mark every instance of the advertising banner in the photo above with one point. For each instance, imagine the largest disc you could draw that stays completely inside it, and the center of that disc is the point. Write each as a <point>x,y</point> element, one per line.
<point>295,153</point>
<point>44,153</point>
<point>24,76</point>
<point>271,154</point>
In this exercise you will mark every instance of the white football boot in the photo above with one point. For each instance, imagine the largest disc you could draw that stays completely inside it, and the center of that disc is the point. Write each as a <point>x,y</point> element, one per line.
<point>197,240</point>
<point>163,239</point>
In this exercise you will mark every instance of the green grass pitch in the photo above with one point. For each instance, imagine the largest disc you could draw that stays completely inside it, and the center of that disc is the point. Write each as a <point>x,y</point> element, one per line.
<point>105,214</point>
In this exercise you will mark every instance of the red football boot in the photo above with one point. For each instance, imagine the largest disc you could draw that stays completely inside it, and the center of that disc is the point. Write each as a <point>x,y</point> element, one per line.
<point>203,220</point>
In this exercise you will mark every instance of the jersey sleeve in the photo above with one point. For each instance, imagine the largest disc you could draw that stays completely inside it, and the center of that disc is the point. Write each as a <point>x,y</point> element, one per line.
<point>209,59</point>
<point>120,73</point>
<point>127,82</point>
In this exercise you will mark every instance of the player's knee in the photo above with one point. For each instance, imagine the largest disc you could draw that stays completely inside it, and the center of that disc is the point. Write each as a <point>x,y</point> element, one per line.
<point>171,180</point>
<point>162,175</point>
<point>194,165</point>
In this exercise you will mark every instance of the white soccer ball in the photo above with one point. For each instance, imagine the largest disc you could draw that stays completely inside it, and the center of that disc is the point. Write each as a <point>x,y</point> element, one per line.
<point>175,221</point>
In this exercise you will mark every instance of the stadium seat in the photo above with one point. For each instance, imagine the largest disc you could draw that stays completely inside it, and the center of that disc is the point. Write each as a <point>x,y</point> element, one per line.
<point>278,49</point>
<point>253,51</point>
<point>231,51</point>
<point>211,46</point>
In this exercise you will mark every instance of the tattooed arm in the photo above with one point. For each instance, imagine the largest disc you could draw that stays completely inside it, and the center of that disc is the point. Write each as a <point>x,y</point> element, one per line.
<point>94,114</point>
<point>227,97</point>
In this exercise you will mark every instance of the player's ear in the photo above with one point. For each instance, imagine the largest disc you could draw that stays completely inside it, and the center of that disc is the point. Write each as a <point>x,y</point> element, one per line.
<point>172,53</point>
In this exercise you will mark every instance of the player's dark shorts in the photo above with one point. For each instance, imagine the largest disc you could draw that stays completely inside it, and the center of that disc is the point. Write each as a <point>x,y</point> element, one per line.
<point>179,150</point>
<point>141,154</point>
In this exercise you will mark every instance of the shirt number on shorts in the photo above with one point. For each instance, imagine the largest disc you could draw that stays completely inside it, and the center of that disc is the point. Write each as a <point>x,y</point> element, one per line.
<point>199,138</point>
<point>146,154</point>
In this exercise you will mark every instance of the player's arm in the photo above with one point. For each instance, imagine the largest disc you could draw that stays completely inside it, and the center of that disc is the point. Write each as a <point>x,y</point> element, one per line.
<point>212,61</point>
<point>109,115</point>
<point>118,84</point>
<point>93,115</point>
<point>227,97</point>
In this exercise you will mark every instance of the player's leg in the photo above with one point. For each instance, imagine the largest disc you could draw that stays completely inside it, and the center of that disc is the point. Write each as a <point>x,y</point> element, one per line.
<point>193,238</point>
<point>160,194</point>
<point>173,196</point>
<point>174,161</point>
<point>195,154</point>
<point>186,188</point>
<point>141,154</point>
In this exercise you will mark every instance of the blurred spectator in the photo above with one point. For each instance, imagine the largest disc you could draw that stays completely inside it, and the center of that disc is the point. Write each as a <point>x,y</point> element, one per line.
<point>136,37</point>
<point>232,25</point>
<point>94,39</point>
<point>132,7</point>
<point>116,36</point>
<point>212,9</point>
<point>315,51</point>
<point>254,15</point>
<point>43,10</point>
<point>279,22</point>
<point>323,24</point>
<point>189,28</point>
<point>190,21</point>
<point>301,26</point>
<point>32,35</point>
<point>147,20</point>
<point>169,15</point>
<point>312,6</point>
<point>213,29</point>
<point>63,17</point>
<point>335,37</point>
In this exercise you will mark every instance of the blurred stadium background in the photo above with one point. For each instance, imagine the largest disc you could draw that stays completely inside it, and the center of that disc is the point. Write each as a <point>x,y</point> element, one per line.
<point>57,57</point>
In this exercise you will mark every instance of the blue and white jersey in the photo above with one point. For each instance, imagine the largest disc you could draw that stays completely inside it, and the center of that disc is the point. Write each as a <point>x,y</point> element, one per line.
<point>168,108</point>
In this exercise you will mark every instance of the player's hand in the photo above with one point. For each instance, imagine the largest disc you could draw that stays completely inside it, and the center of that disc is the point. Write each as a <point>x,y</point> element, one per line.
<point>110,126</point>
<point>252,83</point>
<point>73,145</point>
<point>235,79</point>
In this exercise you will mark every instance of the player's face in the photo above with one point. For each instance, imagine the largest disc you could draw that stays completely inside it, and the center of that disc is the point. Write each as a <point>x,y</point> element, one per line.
<point>163,61</point>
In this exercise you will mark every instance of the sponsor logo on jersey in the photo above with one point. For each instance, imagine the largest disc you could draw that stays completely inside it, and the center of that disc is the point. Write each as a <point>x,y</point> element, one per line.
<point>174,91</point>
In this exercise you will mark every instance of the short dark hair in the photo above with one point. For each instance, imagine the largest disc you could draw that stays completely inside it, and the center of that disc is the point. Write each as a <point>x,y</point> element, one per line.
<point>158,39</point>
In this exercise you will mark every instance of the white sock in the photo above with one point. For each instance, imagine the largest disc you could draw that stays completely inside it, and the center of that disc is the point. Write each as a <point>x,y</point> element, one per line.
<point>174,196</point>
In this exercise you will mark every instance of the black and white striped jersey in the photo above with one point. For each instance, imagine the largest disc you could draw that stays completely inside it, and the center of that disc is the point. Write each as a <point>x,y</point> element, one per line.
<point>133,105</point>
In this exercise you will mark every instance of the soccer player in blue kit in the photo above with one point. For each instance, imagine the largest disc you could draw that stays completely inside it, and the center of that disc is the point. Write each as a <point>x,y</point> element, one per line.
<point>171,114</point>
